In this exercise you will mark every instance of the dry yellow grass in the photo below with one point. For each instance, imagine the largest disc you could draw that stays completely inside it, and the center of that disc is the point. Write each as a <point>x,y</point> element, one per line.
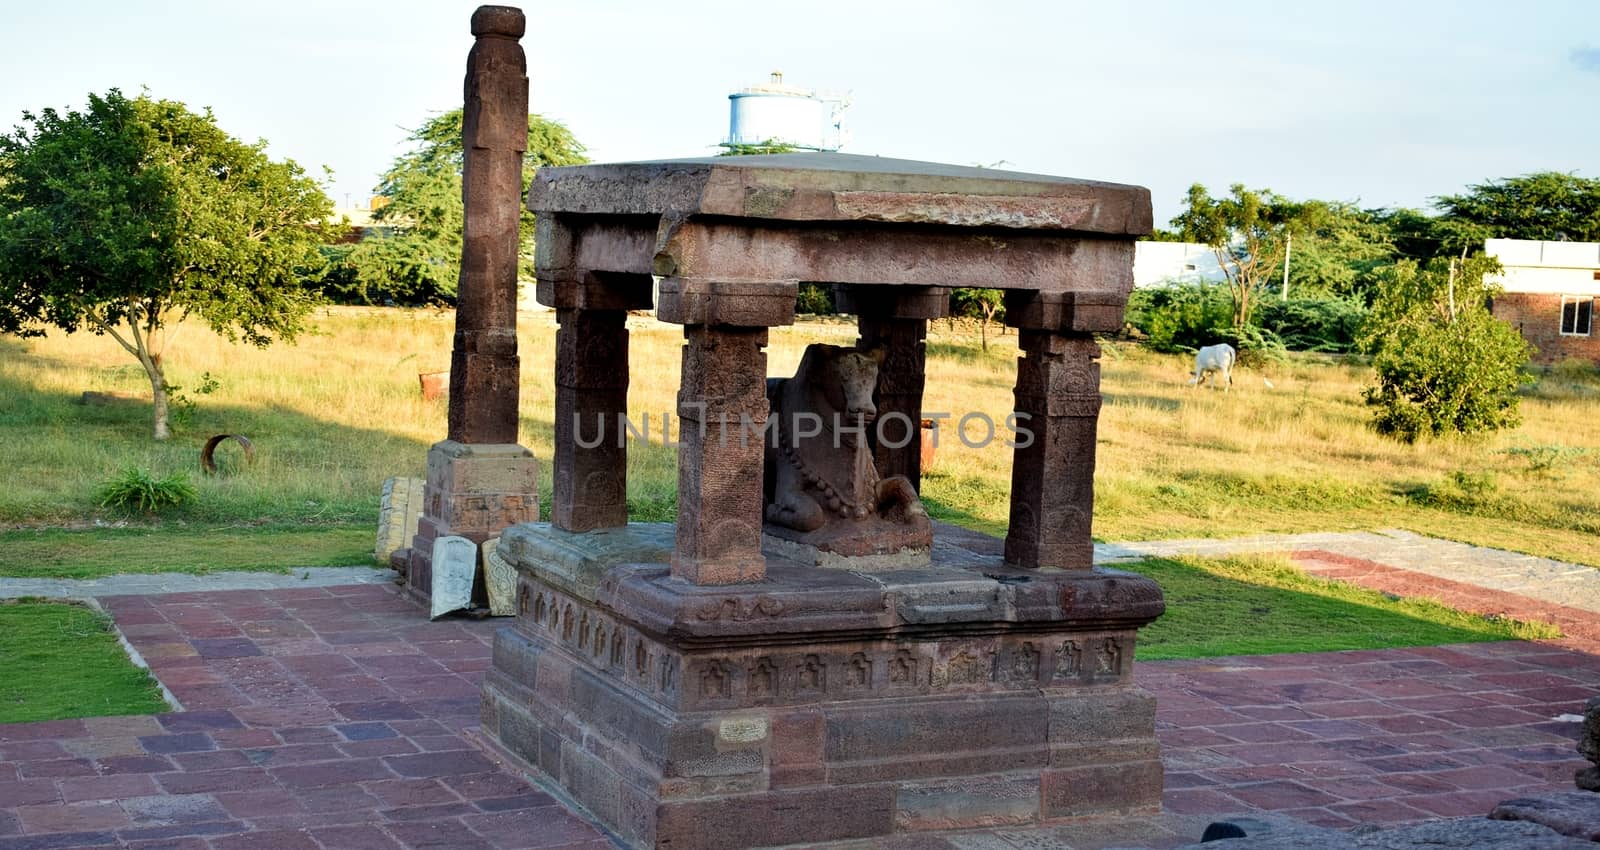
<point>339,411</point>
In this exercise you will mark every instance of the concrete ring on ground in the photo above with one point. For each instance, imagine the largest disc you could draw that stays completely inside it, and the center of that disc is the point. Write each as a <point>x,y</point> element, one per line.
<point>207,459</point>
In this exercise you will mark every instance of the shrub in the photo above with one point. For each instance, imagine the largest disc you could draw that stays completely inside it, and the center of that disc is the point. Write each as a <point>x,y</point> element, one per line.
<point>136,489</point>
<point>1181,317</point>
<point>1443,363</point>
<point>1313,324</point>
<point>815,298</point>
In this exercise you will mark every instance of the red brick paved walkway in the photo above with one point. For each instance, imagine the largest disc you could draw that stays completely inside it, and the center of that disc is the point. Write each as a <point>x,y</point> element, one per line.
<point>332,718</point>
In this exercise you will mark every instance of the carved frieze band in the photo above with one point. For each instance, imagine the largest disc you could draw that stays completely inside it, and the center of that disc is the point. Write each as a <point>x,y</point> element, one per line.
<point>782,675</point>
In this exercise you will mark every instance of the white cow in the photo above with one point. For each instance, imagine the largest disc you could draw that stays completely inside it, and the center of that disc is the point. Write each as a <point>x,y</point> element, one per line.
<point>1212,360</point>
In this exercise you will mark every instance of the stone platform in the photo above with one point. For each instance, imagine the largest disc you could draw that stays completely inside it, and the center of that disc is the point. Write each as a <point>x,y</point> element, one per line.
<point>819,705</point>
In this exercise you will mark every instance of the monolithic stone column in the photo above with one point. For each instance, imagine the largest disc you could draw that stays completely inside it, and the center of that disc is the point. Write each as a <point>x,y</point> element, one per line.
<point>1052,478</point>
<point>483,365</point>
<point>591,459</point>
<point>896,319</point>
<point>479,480</point>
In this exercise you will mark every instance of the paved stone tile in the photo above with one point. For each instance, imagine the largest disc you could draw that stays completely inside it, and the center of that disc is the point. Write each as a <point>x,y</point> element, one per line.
<point>354,838</point>
<point>330,734</point>
<point>71,817</point>
<point>116,787</point>
<point>287,839</point>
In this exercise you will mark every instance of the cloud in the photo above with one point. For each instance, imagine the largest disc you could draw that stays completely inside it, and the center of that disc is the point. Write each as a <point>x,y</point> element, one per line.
<point>1587,58</point>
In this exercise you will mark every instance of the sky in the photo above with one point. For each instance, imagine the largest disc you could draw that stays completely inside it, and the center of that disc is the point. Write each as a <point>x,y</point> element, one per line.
<point>1384,104</point>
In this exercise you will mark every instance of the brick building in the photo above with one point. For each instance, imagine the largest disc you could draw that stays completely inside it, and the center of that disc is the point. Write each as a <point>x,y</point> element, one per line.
<point>1550,296</point>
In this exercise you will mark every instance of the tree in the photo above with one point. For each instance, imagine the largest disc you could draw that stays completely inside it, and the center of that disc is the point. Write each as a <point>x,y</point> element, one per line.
<point>1546,205</point>
<point>1337,251</point>
<point>1444,364</point>
<point>134,214</point>
<point>985,305</point>
<point>1248,231</point>
<point>418,258</point>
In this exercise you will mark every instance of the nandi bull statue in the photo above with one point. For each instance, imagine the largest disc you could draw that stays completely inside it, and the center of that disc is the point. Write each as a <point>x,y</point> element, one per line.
<point>825,501</point>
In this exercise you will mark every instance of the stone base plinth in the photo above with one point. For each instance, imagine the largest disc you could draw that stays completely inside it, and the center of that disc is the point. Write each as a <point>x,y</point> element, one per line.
<point>474,491</point>
<point>821,705</point>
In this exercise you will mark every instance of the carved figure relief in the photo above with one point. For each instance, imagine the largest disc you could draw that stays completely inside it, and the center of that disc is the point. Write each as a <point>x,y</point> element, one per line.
<point>1069,661</point>
<point>822,486</point>
<point>1025,663</point>
<point>1108,658</point>
<point>715,682</point>
<point>764,678</point>
<point>903,668</point>
<point>965,669</point>
<point>858,674</point>
<point>813,675</point>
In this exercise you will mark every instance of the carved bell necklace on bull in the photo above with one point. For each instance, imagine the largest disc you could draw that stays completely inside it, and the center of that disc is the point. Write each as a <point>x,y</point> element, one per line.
<point>863,477</point>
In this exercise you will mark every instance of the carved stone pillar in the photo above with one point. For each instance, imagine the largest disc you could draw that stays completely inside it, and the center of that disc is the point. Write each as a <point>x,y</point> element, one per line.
<point>896,320</point>
<point>483,364</point>
<point>722,411</point>
<point>479,479</point>
<point>1052,478</point>
<point>591,458</point>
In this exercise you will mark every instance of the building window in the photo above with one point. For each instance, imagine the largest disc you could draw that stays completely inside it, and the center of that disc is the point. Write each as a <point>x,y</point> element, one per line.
<point>1577,315</point>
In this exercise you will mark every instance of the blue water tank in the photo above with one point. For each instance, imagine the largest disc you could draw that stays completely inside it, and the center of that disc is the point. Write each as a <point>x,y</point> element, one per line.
<point>774,112</point>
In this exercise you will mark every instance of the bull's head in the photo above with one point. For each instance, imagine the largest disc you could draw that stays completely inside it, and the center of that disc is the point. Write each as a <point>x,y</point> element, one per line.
<point>854,378</point>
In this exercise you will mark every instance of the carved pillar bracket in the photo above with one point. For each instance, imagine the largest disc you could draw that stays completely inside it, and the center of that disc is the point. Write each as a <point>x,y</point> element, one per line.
<point>1052,477</point>
<point>896,319</point>
<point>1071,312</point>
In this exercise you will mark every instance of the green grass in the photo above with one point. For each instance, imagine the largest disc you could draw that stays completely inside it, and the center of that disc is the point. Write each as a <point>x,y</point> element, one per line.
<point>63,660</point>
<point>335,414</point>
<point>1261,605</point>
<point>96,552</point>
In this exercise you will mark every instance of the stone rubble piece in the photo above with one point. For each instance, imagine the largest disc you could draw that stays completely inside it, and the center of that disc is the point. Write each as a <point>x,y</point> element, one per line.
<point>1449,834</point>
<point>1574,813</point>
<point>1588,778</point>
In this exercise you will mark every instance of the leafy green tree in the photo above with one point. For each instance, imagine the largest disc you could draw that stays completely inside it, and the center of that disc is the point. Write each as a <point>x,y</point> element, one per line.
<point>1336,252</point>
<point>1247,230</point>
<point>1412,234</point>
<point>1444,364</point>
<point>1544,205</point>
<point>985,305</point>
<point>134,214</point>
<point>415,254</point>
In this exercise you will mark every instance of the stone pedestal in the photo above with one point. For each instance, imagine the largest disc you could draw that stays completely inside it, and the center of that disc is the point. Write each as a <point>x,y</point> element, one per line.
<point>472,491</point>
<point>821,705</point>
<point>694,688</point>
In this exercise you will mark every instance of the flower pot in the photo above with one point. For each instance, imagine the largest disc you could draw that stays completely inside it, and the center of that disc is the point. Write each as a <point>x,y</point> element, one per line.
<point>434,384</point>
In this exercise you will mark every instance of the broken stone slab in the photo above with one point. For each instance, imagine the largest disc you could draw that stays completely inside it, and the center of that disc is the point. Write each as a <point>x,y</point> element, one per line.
<point>1574,813</point>
<point>455,563</point>
<point>499,580</point>
<point>399,511</point>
